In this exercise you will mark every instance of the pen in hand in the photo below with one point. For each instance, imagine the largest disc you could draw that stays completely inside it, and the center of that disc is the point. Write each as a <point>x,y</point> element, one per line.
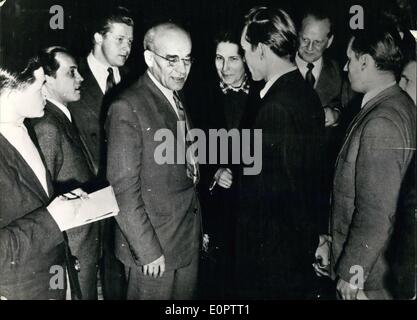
<point>213,184</point>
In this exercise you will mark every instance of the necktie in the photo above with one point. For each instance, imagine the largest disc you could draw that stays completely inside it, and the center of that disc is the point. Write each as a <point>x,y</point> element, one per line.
<point>309,75</point>
<point>110,82</point>
<point>192,164</point>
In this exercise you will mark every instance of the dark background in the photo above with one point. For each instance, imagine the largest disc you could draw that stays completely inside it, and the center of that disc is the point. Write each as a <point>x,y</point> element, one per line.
<point>24,24</point>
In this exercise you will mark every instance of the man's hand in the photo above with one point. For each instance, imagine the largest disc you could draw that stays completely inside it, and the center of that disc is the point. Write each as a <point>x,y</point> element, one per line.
<point>346,290</point>
<point>224,177</point>
<point>331,117</point>
<point>155,268</point>
<point>322,264</point>
<point>64,211</point>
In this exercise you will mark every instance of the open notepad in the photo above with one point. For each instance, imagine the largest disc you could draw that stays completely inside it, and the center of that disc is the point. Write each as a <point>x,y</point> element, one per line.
<point>100,205</point>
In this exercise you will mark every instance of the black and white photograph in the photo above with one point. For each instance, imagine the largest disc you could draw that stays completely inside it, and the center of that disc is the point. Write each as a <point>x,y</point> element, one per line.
<point>231,151</point>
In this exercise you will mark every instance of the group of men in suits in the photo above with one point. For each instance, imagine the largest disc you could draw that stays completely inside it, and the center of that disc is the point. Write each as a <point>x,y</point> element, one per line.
<point>93,132</point>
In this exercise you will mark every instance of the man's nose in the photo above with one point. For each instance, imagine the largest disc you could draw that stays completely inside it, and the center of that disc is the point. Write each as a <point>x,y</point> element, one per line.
<point>345,68</point>
<point>310,45</point>
<point>126,45</point>
<point>79,77</point>
<point>181,67</point>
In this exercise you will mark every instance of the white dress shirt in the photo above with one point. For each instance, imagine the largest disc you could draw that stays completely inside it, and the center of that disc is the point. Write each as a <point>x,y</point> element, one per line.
<point>61,107</point>
<point>18,137</point>
<point>101,73</point>
<point>169,94</point>
<point>302,66</point>
<point>271,81</point>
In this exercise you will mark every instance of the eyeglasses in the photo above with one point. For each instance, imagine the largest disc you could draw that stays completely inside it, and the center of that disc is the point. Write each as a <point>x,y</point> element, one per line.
<point>173,61</point>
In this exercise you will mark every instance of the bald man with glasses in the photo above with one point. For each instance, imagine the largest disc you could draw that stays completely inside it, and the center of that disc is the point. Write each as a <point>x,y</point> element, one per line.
<point>158,227</point>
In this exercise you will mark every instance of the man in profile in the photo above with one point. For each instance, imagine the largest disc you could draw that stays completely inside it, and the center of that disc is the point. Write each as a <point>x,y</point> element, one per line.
<point>371,167</point>
<point>65,157</point>
<point>278,222</point>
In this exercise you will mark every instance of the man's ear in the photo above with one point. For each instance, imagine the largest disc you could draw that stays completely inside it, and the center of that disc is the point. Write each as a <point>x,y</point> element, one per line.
<point>262,50</point>
<point>364,61</point>
<point>149,60</point>
<point>329,43</point>
<point>98,38</point>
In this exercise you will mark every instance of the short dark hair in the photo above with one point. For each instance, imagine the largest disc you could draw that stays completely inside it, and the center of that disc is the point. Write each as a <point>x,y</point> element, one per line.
<point>383,43</point>
<point>19,81</point>
<point>274,28</point>
<point>230,35</point>
<point>48,59</point>
<point>116,15</point>
<point>319,15</point>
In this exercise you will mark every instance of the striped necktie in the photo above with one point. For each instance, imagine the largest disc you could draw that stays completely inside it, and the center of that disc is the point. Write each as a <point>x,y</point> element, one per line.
<point>193,171</point>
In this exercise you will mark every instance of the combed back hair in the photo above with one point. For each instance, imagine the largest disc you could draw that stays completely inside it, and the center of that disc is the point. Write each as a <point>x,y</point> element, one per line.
<point>149,38</point>
<point>319,15</point>
<point>383,43</point>
<point>229,35</point>
<point>18,81</point>
<point>116,15</point>
<point>274,28</point>
<point>7,81</point>
<point>48,59</point>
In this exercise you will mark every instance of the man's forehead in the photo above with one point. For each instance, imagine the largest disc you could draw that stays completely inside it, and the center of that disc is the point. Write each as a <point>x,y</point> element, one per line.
<point>173,42</point>
<point>313,25</point>
<point>121,29</point>
<point>66,61</point>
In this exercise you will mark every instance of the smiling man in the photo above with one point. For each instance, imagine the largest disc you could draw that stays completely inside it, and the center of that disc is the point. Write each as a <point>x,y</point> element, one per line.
<point>158,227</point>
<point>64,154</point>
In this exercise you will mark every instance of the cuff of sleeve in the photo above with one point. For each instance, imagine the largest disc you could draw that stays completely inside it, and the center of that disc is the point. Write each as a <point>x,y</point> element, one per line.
<point>53,235</point>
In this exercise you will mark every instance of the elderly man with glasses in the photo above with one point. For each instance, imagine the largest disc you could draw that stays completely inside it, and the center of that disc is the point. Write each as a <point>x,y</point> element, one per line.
<point>158,227</point>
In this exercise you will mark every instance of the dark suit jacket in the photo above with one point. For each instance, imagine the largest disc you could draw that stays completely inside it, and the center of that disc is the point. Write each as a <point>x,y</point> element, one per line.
<point>89,116</point>
<point>370,168</point>
<point>159,210</point>
<point>329,84</point>
<point>66,161</point>
<point>30,240</point>
<point>278,221</point>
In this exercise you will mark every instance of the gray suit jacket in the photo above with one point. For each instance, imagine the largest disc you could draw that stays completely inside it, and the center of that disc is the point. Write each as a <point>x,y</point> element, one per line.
<point>159,209</point>
<point>30,240</point>
<point>370,168</point>
<point>67,163</point>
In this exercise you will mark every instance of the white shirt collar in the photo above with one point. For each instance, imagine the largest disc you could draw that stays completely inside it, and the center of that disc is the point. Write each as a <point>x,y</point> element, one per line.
<point>18,137</point>
<point>271,81</point>
<point>61,107</point>
<point>374,92</point>
<point>100,72</point>
<point>302,66</point>
<point>169,94</point>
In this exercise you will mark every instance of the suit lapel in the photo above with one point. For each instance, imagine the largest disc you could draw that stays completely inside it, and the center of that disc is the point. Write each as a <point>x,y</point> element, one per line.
<point>63,120</point>
<point>366,109</point>
<point>162,106</point>
<point>324,81</point>
<point>24,171</point>
<point>90,91</point>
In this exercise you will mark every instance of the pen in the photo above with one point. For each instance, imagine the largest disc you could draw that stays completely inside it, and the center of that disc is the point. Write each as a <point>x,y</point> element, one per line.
<point>76,196</point>
<point>213,184</point>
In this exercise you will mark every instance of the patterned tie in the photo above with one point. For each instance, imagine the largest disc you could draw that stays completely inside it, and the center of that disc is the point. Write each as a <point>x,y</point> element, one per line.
<point>110,82</point>
<point>192,163</point>
<point>309,75</point>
